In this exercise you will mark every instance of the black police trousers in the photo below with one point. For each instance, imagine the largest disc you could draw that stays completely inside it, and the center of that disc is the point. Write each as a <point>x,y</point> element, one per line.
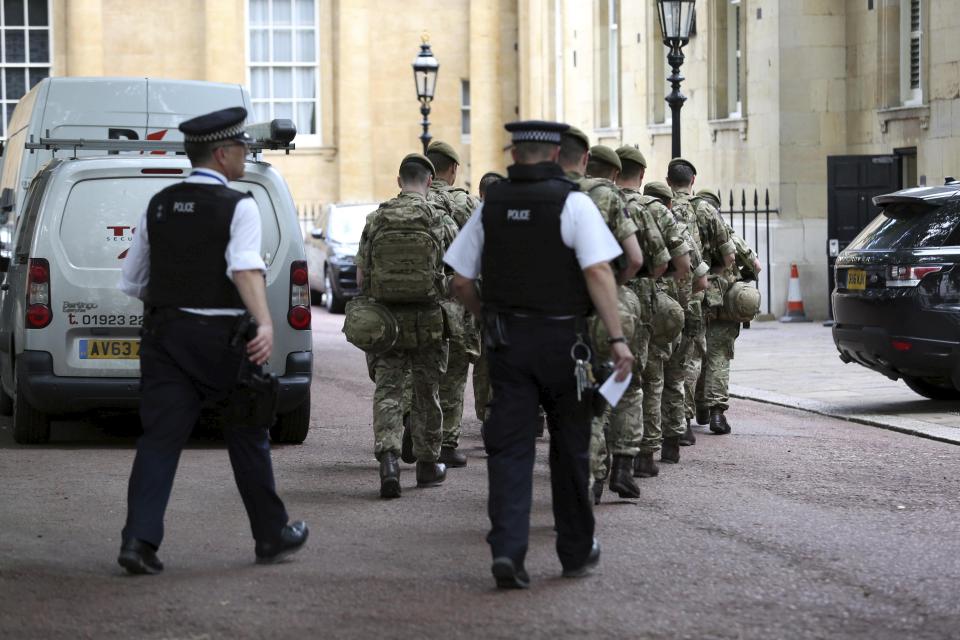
<point>534,369</point>
<point>187,362</point>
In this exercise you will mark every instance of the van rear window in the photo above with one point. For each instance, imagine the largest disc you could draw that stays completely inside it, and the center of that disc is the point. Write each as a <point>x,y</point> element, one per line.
<point>906,226</point>
<point>101,215</point>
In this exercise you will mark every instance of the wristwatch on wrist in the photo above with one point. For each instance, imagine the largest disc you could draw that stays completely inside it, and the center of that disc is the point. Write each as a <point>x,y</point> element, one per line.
<point>616,340</point>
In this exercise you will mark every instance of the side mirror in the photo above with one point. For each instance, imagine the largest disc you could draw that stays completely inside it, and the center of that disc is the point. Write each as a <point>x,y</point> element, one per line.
<point>7,201</point>
<point>317,232</point>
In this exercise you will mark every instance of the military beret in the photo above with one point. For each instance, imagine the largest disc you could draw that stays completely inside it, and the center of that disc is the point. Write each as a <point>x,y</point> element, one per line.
<point>420,159</point>
<point>573,132</point>
<point>607,155</point>
<point>443,149</point>
<point>711,196</point>
<point>224,124</point>
<point>658,190</point>
<point>631,154</point>
<point>682,161</point>
<point>535,131</point>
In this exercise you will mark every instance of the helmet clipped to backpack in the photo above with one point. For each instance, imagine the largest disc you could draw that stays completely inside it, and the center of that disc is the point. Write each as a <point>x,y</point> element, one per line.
<point>370,326</point>
<point>741,303</point>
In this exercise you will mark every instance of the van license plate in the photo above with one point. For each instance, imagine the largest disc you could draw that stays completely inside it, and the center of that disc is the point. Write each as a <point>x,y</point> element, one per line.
<point>109,349</point>
<point>856,279</point>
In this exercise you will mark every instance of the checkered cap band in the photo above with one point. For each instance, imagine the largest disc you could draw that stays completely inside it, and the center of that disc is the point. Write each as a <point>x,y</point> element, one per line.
<point>536,135</point>
<point>223,134</point>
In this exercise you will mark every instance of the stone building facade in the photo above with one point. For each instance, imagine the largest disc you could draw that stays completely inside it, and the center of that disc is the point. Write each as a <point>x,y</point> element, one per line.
<point>777,89</point>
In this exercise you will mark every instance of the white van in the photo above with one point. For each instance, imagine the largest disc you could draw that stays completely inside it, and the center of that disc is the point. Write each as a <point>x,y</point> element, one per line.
<point>69,339</point>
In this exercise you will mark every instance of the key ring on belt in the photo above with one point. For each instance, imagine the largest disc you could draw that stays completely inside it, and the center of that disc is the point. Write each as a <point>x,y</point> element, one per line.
<point>580,343</point>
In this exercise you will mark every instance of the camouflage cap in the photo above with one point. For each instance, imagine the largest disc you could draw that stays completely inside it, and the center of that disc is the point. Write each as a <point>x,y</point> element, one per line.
<point>573,132</point>
<point>712,196</point>
<point>631,154</point>
<point>606,155</point>
<point>438,146</point>
<point>658,190</point>
<point>682,161</point>
<point>419,158</point>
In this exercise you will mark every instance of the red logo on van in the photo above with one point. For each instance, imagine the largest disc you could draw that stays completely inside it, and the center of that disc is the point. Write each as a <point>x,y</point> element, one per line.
<point>119,234</point>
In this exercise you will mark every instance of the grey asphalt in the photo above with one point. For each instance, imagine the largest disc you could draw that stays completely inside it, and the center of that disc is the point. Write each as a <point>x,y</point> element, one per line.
<point>797,365</point>
<point>795,526</point>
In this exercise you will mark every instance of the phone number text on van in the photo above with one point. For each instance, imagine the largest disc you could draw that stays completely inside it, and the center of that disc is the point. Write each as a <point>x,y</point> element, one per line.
<point>104,320</point>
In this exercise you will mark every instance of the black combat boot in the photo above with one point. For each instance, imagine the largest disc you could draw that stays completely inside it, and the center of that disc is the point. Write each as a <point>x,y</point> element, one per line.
<point>703,415</point>
<point>406,443</point>
<point>644,466</point>
<point>671,450</point>
<point>452,458</point>
<point>621,479</point>
<point>430,474</point>
<point>389,475</point>
<point>718,422</point>
<point>689,438</point>
<point>597,490</point>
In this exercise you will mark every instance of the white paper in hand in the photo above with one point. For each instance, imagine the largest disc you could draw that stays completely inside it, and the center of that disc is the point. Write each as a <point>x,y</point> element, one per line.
<point>613,390</point>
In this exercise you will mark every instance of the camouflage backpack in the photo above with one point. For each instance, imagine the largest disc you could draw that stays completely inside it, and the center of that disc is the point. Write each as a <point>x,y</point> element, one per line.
<point>628,308</point>
<point>404,263</point>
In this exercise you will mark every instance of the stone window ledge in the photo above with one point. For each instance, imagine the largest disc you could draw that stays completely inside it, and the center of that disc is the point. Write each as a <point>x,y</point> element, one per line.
<point>921,113</point>
<point>728,124</point>
<point>659,129</point>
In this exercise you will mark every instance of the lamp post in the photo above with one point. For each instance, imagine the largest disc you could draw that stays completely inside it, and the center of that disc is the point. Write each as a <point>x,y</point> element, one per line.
<point>676,18</point>
<point>425,68</point>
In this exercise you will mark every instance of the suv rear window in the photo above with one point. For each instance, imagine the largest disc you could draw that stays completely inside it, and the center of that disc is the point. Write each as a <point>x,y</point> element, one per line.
<point>910,225</point>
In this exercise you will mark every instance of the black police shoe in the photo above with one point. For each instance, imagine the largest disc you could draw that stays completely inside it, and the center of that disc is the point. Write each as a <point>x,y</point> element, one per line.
<point>507,575</point>
<point>452,458</point>
<point>644,465</point>
<point>718,422</point>
<point>689,438</point>
<point>139,558</point>
<point>621,478</point>
<point>430,474</point>
<point>671,450</point>
<point>406,443</point>
<point>593,559</point>
<point>703,415</point>
<point>389,475</point>
<point>292,537</point>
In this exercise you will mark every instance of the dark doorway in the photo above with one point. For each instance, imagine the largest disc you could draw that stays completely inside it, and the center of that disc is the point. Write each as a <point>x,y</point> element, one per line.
<point>852,182</point>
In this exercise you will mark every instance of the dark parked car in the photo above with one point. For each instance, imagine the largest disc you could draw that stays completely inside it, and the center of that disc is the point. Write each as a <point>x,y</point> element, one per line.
<point>332,251</point>
<point>897,300</point>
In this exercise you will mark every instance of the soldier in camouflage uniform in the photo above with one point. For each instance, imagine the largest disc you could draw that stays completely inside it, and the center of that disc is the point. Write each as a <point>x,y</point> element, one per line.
<point>464,332</point>
<point>677,287</point>
<point>420,347</point>
<point>617,432</point>
<point>712,392</point>
<point>575,153</point>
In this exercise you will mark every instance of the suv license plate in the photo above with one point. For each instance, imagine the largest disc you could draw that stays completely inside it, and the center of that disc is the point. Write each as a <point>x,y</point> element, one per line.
<point>109,349</point>
<point>856,279</point>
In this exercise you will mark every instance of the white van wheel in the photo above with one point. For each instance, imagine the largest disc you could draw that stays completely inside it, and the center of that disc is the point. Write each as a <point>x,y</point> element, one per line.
<point>292,427</point>
<point>29,425</point>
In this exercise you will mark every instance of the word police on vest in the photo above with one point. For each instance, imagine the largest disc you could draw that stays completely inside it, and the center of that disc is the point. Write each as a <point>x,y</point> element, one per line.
<point>183,207</point>
<point>518,215</point>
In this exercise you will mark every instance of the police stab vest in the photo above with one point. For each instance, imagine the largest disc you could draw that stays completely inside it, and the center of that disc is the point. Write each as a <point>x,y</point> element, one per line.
<point>189,227</point>
<point>525,266</point>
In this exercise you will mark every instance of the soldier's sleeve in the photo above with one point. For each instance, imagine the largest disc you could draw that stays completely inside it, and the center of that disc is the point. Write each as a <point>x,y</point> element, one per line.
<point>621,223</point>
<point>723,240</point>
<point>673,232</point>
<point>654,247</point>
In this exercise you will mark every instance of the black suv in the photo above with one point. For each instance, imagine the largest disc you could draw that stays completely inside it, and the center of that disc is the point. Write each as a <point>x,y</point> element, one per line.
<point>897,300</point>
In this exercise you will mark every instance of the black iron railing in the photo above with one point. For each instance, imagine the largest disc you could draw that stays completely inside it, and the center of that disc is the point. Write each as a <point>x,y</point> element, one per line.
<point>761,217</point>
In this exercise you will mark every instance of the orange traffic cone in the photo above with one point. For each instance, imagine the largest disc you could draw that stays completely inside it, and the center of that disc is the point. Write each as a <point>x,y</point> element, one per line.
<point>794,299</point>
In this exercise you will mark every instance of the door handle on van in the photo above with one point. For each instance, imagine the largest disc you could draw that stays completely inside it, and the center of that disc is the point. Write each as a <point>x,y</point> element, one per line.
<point>4,287</point>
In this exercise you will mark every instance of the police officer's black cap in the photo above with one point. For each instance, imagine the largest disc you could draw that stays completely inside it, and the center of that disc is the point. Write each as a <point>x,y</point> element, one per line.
<point>419,158</point>
<point>225,124</point>
<point>536,131</point>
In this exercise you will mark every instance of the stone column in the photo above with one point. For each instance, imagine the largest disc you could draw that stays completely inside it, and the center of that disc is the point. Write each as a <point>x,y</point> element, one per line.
<point>84,42</point>
<point>486,129</point>
<point>353,128</point>
<point>531,43</point>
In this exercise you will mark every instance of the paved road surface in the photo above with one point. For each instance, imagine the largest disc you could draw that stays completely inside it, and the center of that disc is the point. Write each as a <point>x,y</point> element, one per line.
<point>795,526</point>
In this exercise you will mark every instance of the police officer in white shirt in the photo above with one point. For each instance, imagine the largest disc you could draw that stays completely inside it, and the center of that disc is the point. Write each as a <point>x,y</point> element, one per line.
<point>195,262</point>
<point>543,252</point>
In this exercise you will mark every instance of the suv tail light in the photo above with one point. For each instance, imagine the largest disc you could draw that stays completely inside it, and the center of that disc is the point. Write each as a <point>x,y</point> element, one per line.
<point>299,314</point>
<point>908,276</point>
<point>39,314</point>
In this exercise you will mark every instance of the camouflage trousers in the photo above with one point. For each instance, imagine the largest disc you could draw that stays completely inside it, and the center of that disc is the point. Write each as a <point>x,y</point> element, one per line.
<point>482,391</point>
<point>715,390</point>
<point>652,399</point>
<point>452,386</point>
<point>692,383</point>
<point>423,367</point>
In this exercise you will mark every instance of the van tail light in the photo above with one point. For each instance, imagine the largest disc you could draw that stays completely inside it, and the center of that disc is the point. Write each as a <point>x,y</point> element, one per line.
<point>39,314</point>
<point>909,276</point>
<point>299,314</point>
<point>901,345</point>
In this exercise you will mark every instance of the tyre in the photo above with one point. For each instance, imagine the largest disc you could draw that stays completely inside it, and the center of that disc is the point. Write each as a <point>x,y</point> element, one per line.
<point>29,425</point>
<point>933,388</point>
<point>332,302</point>
<point>292,427</point>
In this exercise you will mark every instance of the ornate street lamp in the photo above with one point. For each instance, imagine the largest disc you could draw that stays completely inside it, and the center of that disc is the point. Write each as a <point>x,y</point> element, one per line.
<point>676,18</point>
<point>425,68</point>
